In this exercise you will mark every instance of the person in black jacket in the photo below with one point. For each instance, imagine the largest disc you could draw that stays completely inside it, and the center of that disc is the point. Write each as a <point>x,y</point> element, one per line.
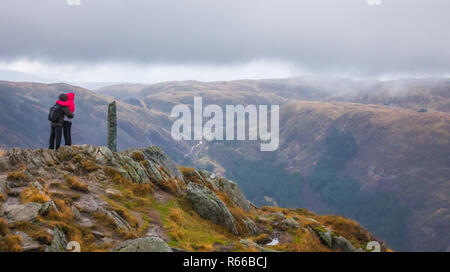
<point>57,127</point>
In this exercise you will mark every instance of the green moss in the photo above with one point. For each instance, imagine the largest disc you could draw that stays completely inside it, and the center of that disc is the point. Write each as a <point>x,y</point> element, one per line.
<point>318,228</point>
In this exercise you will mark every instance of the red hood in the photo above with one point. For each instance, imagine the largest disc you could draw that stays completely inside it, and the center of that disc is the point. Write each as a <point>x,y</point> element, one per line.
<point>69,103</point>
<point>70,96</point>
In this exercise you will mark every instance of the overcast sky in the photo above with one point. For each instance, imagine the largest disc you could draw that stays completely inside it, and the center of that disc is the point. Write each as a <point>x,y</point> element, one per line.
<point>159,40</point>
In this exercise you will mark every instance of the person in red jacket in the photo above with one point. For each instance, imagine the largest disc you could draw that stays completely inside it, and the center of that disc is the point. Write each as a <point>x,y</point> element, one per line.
<point>57,123</point>
<point>67,125</point>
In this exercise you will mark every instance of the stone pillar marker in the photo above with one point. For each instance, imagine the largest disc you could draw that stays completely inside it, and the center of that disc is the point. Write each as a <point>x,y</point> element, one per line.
<point>112,127</point>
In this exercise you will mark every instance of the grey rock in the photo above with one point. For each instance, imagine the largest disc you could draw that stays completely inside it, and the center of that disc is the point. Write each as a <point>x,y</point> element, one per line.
<point>47,158</point>
<point>233,192</point>
<point>157,156</point>
<point>59,242</point>
<point>46,207</point>
<point>247,243</point>
<point>312,220</point>
<point>111,193</point>
<point>175,249</point>
<point>98,234</point>
<point>86,223</point>
<point>4,163</point>
<point>324,235</point>
<point>153,172</point>
<point>343,244</point>
<point>278,216</point>
<point>252,227</point>
<point>290,223</point>
<point>87,203</point>
<point>135,170</point>
<point>38,186</point>
<point>103,156</point>
<point>206,178</point>
<point>83,221</point>
<point>21,213</point>
<point>209,206</point>
<point>76,213</point>
<point>147,244</point>
<point>27,244</point>
<point>118,220</point>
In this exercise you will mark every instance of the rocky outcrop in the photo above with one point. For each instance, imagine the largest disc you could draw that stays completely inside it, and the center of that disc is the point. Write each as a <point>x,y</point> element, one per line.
<point>147,244</point>
<point>343,244</point>
<point>158,157</point>
<point>209,206</point>
<point>252,227</point>
<point>59,242</point>
<point>230,188</point>
<point>324,235</point>
<point>117,219</point>
<point>21,213</point>
<point>334,241</point>
<point>109,199</point>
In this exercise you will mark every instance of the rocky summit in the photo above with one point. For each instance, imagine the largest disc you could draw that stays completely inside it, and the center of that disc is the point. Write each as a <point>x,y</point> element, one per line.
<point>88,198</point>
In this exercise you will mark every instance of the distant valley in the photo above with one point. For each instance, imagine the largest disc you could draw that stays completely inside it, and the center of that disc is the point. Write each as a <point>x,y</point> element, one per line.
<point>377,152</point>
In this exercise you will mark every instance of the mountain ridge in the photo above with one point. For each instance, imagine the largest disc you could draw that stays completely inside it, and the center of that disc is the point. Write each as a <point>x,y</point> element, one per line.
<point>140,200</point>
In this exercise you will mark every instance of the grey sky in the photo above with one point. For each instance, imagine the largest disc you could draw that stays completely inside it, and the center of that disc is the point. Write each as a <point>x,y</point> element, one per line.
<point>399,37</point>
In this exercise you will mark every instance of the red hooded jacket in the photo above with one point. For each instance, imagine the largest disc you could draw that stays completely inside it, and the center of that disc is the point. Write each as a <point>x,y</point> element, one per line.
<point>69,103</point>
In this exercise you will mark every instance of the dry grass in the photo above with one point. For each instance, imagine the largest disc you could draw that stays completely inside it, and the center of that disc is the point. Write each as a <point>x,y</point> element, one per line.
<point>105,220</point>
<point>124,213</point>
<point>89,166</point>
<point>129,188</point>
<point>34,231</point>
<point>347,228</point>
<point>115,176</point>
<point>191,175</point>
<point>303,241</point>
<point>262,239</point>
<point>238,214</point>
<point>138,156</point>
<point>11,243</point>
<point>169,186</point>
<point>64,213</point>
<point>18,176</point>
<point>64,221</point>
<point>188,230</point>
<point>31,194</point>
<point>3,227</point>
<point>186,170</point>
<point>141,189</point>
<point>76,184</point>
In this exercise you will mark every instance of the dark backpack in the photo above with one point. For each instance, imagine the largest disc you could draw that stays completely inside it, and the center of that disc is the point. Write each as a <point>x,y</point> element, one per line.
<point>54,113</point>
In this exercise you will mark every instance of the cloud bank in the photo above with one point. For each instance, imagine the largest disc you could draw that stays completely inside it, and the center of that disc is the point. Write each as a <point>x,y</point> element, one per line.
<point>221,39</point>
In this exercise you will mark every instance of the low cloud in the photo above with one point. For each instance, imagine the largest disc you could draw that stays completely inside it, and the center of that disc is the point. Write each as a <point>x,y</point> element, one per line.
<point>219,39</point>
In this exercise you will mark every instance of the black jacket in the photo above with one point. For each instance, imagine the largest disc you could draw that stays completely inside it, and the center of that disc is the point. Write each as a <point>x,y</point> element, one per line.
<point>66,112</point>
